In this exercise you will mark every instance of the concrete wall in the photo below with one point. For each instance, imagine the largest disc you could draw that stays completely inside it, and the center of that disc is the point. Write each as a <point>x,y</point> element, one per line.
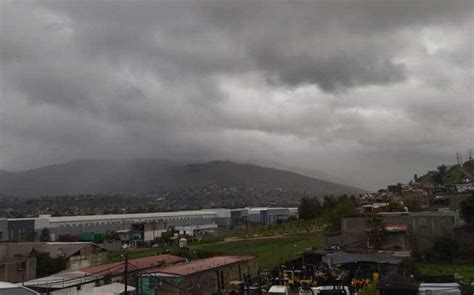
<point>427,229</point>
<point>205,282</point>
<point>82,261</point>
<point>465,238</point>
<point>423,228</point>
<point>353,229</point>
<point>18,269</point>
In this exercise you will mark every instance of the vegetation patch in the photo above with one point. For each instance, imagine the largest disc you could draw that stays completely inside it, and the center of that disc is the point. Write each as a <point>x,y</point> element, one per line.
<point>466,270</point>
<point>269,252</point>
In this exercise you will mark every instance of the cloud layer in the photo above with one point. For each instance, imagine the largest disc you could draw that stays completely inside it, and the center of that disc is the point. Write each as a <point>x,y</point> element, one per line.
<point>367,92</point>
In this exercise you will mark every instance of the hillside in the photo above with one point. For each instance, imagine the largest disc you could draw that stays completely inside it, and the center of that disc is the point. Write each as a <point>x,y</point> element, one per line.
<point>129,176</point>
<point>454,174</point>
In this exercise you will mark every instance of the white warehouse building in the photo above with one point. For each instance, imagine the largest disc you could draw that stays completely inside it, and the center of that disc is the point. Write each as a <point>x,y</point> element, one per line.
<point>185,222</point>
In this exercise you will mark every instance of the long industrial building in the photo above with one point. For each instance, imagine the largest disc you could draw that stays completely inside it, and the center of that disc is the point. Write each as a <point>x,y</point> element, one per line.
<point>184,222</point>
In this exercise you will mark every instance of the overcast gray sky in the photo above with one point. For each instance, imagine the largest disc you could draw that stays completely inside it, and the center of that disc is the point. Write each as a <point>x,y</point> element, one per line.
<point>363,92</point>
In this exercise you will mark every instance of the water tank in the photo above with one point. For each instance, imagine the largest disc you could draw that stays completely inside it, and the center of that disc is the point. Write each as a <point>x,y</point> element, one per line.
<point>183,243</point>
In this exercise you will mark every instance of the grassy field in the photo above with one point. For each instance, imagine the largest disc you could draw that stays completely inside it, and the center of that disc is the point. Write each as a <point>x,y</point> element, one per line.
<point>269,251</point>
<point>115,256</point>
<point>271,244</point>
<point>463,269</point>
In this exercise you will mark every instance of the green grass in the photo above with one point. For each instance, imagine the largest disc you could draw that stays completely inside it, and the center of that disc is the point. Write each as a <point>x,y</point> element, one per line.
<point>453,175</point>
<point>269,252</point>
<point>294,227</point>
<point>115,256</point>
<point>463,269</point>
<point>287,240</point>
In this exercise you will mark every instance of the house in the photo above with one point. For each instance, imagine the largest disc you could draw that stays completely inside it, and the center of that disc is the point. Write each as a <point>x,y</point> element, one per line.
<point>83,281</point>
<point>374,207</point>
<point>417,231</point>
<point>78,254</point>
<point>17,269</point>
<point>203,276</point>
<point>465,187</point>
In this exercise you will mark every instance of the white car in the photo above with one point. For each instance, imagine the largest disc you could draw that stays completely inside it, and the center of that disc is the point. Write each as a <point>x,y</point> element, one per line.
<point>278,290</point>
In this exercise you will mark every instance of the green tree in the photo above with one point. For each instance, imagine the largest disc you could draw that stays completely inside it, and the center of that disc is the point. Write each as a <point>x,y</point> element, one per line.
<point>376,231</point>
<point>395,207</point>
<point>438,176</point>
<point>47,265</point>
<point>467,208</point>
<point>309,208</point>
<point>343,208</point>
<point>44,236</point>
<point>413,205</point>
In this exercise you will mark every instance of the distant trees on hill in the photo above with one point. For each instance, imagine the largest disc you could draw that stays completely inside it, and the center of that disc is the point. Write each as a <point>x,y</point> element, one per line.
<point>439,175</point>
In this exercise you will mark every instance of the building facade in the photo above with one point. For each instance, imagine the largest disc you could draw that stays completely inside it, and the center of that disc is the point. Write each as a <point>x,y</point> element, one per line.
<point>417,231</point>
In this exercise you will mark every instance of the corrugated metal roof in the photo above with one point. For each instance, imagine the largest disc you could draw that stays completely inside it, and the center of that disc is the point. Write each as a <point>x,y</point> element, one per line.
<point>61,280</point>
<point>54,249</point>
<point>139,263</point>
<point>342,257</point>
<point>131,216</point>
<point>203,265</point>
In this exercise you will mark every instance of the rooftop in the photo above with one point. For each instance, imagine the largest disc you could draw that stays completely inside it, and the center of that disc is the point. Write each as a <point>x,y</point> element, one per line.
<point>139,263</point>
<point>203,265</point>
<point>53,248</point>
<point>61,280</point>
<point>342,257</point>
<point>132,215</point>
<point>12,289</point>
<point>114,288</point>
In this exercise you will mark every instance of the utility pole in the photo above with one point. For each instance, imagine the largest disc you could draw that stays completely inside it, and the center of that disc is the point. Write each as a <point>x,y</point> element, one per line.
<point>125,275</point>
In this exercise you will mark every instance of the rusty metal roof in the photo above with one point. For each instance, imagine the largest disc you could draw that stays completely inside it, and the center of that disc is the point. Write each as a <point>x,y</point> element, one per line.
<point>200,265</point>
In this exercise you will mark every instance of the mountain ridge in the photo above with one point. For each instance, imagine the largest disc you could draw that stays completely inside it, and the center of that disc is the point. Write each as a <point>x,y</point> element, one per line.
<point>144,175</point>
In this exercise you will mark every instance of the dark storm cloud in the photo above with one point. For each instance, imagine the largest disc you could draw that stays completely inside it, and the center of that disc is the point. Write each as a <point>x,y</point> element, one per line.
<point>325,85</point>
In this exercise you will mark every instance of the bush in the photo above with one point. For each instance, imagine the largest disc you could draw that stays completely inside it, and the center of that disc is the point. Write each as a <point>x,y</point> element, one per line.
<point>309,208</point>
<point>343,208</point>
<point>47,265</point>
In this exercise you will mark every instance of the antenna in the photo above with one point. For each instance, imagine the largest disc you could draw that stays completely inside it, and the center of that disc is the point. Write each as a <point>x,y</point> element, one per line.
<point>457,158</point>
<point>470,154</point>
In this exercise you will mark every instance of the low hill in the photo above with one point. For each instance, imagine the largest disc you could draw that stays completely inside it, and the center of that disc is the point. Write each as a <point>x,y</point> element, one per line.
<point>454,173</point>
<point>145,175</point>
